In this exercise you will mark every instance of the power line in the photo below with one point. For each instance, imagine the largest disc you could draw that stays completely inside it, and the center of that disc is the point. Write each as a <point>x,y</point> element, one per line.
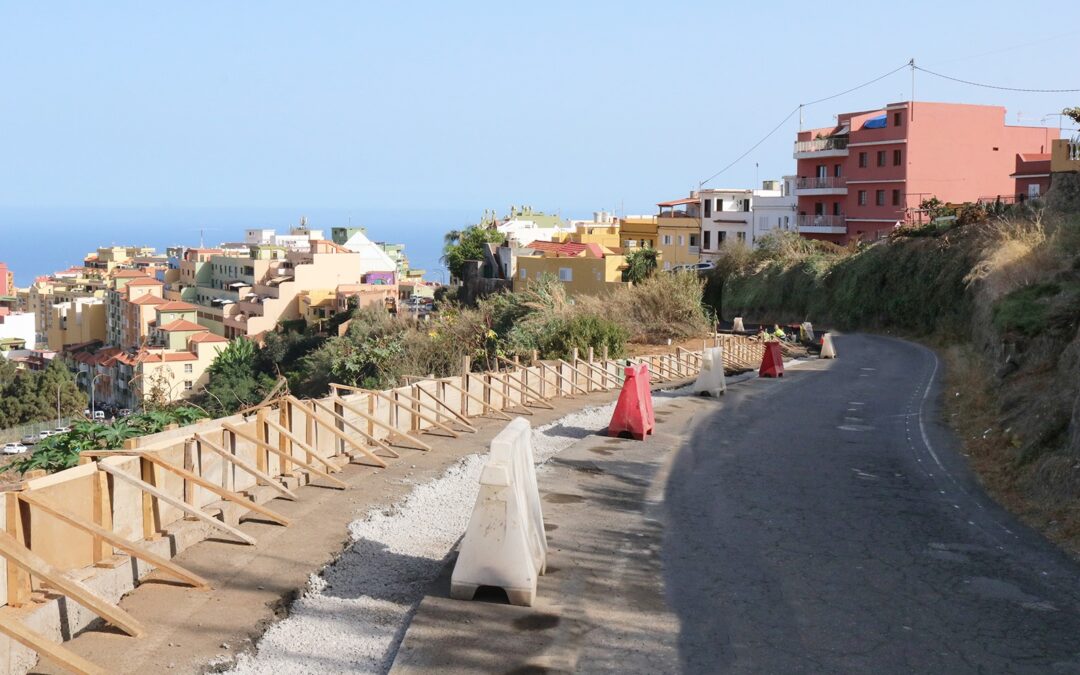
<point>993,86</point>
<point>798,108</point>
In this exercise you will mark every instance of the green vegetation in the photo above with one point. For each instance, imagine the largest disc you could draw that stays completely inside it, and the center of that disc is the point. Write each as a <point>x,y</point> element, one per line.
<point>640,264</point>
<point>467,244</point>
<point>62,450</point>
<point>28,396</point>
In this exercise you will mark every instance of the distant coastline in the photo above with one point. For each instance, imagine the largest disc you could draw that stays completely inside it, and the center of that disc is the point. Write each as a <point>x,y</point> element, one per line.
<point>42,240</point>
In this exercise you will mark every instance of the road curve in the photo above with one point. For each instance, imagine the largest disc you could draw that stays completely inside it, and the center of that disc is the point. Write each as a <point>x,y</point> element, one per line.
<point>826,522</point>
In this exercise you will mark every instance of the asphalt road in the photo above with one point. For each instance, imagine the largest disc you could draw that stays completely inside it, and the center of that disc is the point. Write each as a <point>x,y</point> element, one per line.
<point>826,522</point>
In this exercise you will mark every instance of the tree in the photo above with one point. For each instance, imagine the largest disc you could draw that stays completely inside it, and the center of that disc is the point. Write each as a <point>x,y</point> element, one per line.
<point>734,257</point>
<point>468,245</point>
<point>235,382</point>
<point>640,265</point>
<point>1072,113</point>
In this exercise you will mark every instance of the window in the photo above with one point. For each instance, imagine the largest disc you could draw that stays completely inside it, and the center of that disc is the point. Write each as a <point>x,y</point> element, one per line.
<point>879,197</point>
<point>524,274</point>
<point>667,265</point>
<point>896,198</point>
<point>741,236</point>
<point>822,171</point>
<point>897,119</point>
<point>720,204</point>
<point>566,274</point>
<point>188,368</point>
<point>720,236</point>
<point>819,209</point>
<point>708,208</point>
<point>836,171</point>
<point>187,385</point>
<point>862,197</point>
<point>863,163</point>
<point>666,240</point>
<point>836,208</point>
<point>693,240</point>
<point>707,240</point>
<point>897,157</point>
<point>746,205</point>
<point>881,158</point>
<point>682,240</point>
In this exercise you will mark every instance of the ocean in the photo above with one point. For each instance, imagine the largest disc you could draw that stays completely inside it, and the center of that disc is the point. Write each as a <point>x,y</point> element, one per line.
<point>36,241</point>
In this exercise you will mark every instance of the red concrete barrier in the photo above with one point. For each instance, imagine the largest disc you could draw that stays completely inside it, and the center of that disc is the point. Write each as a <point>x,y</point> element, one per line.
<point>634,410</point>
<point>772,363</point>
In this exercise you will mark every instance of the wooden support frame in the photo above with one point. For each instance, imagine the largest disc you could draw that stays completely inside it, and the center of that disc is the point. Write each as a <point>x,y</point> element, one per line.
<point>471,396</point>
<point>377,422</point>
<point>585,375</point>
<point>264,478</point>
<point>462,420</point>
<point>341,485</point>
<point>523,380</point>
<point>285,433</point>
<point>57,653</point>
<point>592,368</point>
<point>362,432</point>
<point>178,503</point>
<point>413,411</point>
<point>131,548</point>
<point>15,553</point>
<point>485,381</point>
<point>312,415</point>
<point>563,378</point>
<point>531,397</point>
<point>228,495</point>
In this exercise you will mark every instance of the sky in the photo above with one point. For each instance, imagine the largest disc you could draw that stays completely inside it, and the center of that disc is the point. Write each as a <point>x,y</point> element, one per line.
<point>451,108</point>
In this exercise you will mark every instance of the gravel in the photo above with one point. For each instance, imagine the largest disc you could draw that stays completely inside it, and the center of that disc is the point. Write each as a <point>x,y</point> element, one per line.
<point>352,617</point>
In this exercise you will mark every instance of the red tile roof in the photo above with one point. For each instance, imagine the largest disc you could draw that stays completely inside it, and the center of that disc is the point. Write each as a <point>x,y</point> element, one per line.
<point>207,337</point>
<point>148,300</point>
<point>181,325</point>
<point>128,274</point>
<point>145,281</point>
<point>679,202</point>
<point>178,306</point>
<point>568,249</point>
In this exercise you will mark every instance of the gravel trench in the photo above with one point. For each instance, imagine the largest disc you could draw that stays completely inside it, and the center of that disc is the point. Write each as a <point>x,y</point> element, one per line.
<point>353,615</point>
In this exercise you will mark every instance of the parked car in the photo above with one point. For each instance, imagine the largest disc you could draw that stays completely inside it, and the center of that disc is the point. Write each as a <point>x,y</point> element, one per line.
<point>30,439</point>
<point>61,430</point>
<point>123,412</point>
<point>44,434</point>
<point>13,449</point>
<point>99,414</point>
<point>694,267</point>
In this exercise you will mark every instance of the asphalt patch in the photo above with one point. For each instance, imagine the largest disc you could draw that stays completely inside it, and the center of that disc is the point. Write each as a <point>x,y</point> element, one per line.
<point>563,498</point>
<point>536,622</point>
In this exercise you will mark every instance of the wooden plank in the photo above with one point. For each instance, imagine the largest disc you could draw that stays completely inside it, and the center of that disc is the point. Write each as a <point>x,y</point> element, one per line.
<point>58,654</point>
<point>227,495</point>
<point>264,478</point>
<point>313,417</point>
<point>530,396</point>
<point>464,421</point>
<point>309,467</point>
<point>488,387</point>
<point>18,581</point>
<point>414,411</point>
<point>132,549</point>
<point>346,423</point>
<point>376,421</point>
<point>585,375</point>
<point>178,503</point>
<point>18,554</point>
<point>474,397</point>
<point>285,433</point>
<point>102,510</point>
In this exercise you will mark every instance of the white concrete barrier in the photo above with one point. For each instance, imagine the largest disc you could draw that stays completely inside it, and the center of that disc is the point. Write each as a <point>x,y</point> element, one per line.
<point>736,325</point>
<point>828,351</point>
<point>806,331</point>
<point>505,544</point>
<point>710,379</point>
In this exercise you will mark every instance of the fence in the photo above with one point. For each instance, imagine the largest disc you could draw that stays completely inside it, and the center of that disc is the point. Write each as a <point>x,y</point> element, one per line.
<point>104,520</point>
<point>13,434</point>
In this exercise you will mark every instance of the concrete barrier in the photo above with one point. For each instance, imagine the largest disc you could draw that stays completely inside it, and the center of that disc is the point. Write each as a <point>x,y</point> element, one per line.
<point>737,325</point>
<point>504,545</point>
<point>806,332</point>
<point>828,351</point>
<point>710,380</point>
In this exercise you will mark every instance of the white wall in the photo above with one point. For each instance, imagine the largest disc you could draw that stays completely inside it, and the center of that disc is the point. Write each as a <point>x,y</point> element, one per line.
<point>20,326</point>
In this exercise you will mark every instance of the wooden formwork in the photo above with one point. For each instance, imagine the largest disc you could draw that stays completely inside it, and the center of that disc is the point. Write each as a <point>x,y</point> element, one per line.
<point>116,504</point>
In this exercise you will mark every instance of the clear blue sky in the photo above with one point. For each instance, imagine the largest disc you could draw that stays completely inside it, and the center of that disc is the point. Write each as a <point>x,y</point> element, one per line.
<point>467,105</point>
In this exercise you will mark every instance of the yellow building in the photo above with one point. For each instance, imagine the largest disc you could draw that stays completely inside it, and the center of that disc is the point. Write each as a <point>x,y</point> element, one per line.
<point>674,235</point>
<point>585,269</point>
<point>317,305</point>
<point>1065,156</point>
<point>76,322</point>
<point>606,235</point>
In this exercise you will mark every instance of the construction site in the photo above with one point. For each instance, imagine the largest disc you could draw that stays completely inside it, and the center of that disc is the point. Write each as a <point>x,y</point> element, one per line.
<point>184,550</point>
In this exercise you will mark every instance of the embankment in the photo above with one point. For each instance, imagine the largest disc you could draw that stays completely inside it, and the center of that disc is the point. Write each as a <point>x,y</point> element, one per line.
<point>1000,298</point>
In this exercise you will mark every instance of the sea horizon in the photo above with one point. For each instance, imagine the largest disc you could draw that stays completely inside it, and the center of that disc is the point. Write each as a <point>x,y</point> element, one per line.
<point>57,238</point>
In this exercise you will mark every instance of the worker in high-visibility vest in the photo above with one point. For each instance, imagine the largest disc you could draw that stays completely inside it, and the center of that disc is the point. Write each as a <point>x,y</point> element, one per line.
<point>778,332</point>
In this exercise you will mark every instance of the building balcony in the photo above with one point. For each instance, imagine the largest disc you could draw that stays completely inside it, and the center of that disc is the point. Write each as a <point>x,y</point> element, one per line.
<point>809,186</point>
<point>822,147</point>
<point>821,224</point>
<point>1065,155</point>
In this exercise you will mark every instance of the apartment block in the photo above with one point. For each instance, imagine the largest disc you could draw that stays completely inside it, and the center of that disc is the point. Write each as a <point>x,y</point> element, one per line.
<point>77,322</point>
<point>585,269</point>
<point>7,281</point>
<point>868,173</point>
<point>674,232</point>
<point>60,288</point>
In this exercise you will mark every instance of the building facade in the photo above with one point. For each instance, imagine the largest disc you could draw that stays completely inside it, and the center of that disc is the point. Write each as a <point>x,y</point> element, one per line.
<point>584,269</point>
<point>870,172</point>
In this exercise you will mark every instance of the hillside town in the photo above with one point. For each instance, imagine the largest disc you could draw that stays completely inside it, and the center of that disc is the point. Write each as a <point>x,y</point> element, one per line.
<point>130,316</point>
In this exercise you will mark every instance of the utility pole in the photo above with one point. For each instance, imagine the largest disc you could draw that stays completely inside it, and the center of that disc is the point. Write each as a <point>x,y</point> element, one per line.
<point>58,425</point>
<point>911,110</point>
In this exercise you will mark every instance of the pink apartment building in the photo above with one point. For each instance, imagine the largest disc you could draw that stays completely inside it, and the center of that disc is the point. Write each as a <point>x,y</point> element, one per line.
<point>859,178</point>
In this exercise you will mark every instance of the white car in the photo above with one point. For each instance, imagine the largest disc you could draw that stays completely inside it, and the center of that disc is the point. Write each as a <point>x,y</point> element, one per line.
<point>13,449</point>
<point>694,267</point>
<point>30,440</point>
<point>45,434</point>
<point>61,430</point>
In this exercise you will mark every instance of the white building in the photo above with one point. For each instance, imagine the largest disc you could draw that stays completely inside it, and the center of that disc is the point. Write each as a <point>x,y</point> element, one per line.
<point>372,256</point>
<point>744,215</point>
<point>524,225</point>
<point>298,238</point>
<point>18,331</point>
<point>772,212</point>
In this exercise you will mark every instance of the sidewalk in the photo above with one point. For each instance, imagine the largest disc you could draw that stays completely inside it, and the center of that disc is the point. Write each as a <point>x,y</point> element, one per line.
<point>600,607</point>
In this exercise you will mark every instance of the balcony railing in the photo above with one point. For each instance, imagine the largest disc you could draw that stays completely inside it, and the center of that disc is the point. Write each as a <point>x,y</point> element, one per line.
<point>815,221</point>
<point>822,144</point>
<point>820,183</point>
